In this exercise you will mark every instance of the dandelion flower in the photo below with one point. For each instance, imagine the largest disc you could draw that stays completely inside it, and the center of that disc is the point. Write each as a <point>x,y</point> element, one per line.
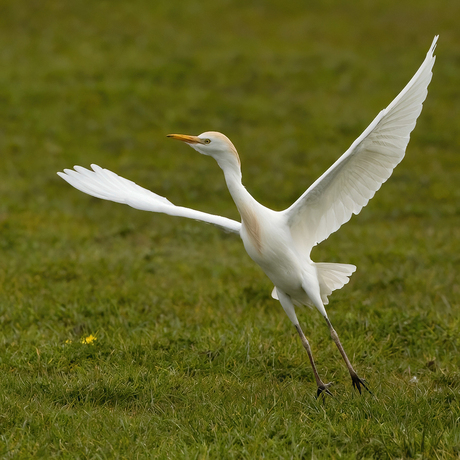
<point>88,340</point>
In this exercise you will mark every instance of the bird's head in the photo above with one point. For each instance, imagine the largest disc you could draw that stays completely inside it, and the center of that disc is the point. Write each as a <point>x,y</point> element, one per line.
<point>211,143</point>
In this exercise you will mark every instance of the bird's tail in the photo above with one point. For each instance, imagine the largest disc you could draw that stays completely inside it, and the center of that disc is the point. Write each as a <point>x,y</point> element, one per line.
<point>332,277</point>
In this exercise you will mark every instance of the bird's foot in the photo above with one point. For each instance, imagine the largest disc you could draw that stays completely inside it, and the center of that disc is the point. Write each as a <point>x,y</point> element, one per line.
<point>357,382</point>
<point>323,387</point>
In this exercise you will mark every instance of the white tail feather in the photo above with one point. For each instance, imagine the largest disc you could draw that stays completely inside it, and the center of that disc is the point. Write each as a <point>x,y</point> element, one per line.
<point>332,277</point>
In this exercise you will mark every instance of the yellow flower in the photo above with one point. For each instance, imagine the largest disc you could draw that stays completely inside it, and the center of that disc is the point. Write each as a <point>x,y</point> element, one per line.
<point>88,340</point>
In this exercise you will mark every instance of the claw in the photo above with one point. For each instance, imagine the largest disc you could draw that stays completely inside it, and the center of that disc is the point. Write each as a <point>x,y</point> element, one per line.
<point>357,382</point>
<point>324,388</point>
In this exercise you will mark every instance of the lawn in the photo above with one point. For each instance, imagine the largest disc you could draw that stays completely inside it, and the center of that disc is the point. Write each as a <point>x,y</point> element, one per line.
<point>131,335</point>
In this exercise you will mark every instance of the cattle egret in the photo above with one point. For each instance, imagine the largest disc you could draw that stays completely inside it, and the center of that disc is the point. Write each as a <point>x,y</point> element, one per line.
<point>281,241</point>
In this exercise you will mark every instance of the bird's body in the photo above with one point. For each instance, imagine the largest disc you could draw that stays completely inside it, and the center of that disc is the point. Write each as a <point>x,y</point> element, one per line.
<point>267,238</point>
<point>280,242</point>
<point>268,241</point>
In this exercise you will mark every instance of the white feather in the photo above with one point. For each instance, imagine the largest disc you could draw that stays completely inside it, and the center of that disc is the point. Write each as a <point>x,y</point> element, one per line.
<point>105,184</point>
<point>347,186</point>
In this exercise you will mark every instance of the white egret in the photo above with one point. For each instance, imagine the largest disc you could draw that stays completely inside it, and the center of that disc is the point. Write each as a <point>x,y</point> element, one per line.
<point>281,242</point>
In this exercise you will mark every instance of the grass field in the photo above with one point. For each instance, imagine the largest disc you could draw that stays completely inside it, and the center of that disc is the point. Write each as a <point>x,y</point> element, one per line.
<point>131,335</point>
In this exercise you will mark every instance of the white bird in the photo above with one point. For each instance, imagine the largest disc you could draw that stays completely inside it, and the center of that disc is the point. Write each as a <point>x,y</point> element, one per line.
<point>281,242</point>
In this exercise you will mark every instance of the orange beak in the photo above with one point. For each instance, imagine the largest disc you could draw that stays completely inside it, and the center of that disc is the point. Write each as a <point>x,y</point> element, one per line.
<point>187,139</point>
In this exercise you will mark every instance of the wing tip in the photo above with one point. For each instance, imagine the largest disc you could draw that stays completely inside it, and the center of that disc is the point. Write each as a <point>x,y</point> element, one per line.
<point>433,44</point>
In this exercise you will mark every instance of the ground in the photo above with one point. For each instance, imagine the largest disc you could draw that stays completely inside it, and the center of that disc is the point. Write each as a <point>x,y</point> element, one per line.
<point>126,334</point>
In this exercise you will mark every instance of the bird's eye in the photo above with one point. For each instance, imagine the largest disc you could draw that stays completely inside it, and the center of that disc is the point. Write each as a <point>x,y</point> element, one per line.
<point>207,141</point>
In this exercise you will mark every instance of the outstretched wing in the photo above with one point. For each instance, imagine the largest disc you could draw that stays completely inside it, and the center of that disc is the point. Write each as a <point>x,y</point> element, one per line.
<point>107,185</point>
<point>347,186</point>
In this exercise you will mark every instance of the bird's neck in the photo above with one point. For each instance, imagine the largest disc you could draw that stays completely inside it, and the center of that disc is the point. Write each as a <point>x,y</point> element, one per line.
<point>241,197</point>
<point>247,206</point>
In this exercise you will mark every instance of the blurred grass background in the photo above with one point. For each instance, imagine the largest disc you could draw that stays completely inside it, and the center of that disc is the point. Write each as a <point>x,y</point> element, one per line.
<point>193,359</point>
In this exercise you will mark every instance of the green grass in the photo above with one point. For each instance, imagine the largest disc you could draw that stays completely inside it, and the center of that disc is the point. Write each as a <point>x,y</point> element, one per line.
<point>193,359</point>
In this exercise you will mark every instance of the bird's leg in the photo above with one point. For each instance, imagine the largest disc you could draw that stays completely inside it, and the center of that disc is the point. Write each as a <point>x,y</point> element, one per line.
<point>357,382</point>
<point>321,385</point>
